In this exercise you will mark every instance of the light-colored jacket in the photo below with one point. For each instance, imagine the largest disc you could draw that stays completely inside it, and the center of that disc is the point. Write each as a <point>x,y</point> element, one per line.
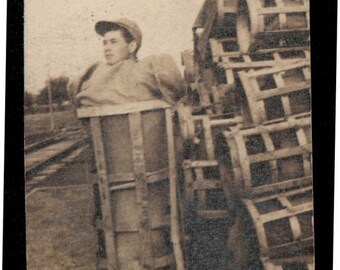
<point>154,77</point>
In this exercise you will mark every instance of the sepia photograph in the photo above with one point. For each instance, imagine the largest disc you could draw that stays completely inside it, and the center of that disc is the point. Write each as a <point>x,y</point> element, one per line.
<point>168,135</point>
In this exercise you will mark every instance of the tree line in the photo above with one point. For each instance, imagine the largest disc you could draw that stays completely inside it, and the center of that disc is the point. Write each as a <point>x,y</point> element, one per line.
<point>59,93</point>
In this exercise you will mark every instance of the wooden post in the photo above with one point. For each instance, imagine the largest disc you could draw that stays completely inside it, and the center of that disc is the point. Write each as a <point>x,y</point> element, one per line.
<point>175,238</point>
<point>104,194</point>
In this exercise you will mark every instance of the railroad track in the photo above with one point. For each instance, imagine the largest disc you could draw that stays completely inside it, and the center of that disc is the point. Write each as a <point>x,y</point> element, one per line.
<point>47,157</point>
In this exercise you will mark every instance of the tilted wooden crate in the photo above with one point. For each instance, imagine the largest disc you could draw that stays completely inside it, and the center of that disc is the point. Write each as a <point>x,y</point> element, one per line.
<point>267,158</point>
<point>135,160</point>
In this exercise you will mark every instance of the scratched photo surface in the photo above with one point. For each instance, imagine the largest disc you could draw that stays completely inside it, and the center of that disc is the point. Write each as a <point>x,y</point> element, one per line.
<point>168,134</point>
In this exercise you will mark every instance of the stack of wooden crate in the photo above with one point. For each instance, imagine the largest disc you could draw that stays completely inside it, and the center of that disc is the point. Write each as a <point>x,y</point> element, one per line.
<point>250,127</point>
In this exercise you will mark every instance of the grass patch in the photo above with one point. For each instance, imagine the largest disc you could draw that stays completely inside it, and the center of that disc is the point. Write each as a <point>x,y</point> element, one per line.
<point>40,123</point>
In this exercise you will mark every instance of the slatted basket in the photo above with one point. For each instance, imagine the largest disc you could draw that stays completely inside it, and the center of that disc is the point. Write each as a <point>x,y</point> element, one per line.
<point>283,224</point>
<point>135,160</point>
<point>278,92</point>
<point>267,158</point>
<point>263,24</point>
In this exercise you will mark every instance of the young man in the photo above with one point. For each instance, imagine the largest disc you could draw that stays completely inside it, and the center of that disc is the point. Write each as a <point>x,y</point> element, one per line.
<point>121,78</point>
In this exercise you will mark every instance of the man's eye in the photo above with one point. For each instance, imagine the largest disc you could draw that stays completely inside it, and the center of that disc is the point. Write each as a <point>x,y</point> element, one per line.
<point>104,42</point>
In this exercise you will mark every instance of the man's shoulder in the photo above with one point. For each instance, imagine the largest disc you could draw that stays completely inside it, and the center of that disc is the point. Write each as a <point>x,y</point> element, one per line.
<point>76,84</point>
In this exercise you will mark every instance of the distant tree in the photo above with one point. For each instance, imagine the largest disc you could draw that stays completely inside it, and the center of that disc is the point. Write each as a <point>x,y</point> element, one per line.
<point>42,98</point>
<point>58,89</point>
<point>28,99</point>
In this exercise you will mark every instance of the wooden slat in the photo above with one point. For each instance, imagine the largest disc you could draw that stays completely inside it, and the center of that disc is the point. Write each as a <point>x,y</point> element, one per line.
<point>152,177</point>
<point>235,159</point>
<point>244,159</point>
<point>299,258</point>
<point>284,99</point>
<point>217,49</point>
<point>283,90</point>
<point>285,213</point>
<point>135,124</point>
<point>104,194</point>
<point>175,231</point>
<point>260,231</point>
<point>302,139</point>
<point>281,153</point>
<point>291,183</point>
<point>250,95</point>
<point>199,163</point>
<point>229,62</point>
<point>128,185</point>
<point>291,247</point>
<point>120,109</point>
<point>288,118</point>
<point>293,220</point>
<point>212,214</point>
<point>121,177</point>
<point>290,123</point>
<point>262,72</point>
<point>207,184</point>
<point>208,138</point>
<point>282,10</point>
<point>273,163</point>
<point>287,194</point>
<point>226,122</point>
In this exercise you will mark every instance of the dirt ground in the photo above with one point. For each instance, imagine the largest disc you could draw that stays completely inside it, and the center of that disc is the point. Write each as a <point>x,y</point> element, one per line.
<point>58,229</point>
<point>35,123</point>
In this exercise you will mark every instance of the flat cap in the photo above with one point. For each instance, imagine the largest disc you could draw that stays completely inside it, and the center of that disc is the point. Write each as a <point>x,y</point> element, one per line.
<point>102,27</point>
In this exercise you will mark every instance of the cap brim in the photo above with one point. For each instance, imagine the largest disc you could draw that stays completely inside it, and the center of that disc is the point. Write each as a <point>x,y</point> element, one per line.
<point>103,27</point>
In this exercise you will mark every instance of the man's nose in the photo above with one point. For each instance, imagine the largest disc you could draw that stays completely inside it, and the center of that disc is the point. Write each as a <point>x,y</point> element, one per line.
<point>107,47</point>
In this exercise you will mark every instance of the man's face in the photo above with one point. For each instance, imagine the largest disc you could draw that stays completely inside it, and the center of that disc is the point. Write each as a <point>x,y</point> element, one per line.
<point>115,47</point>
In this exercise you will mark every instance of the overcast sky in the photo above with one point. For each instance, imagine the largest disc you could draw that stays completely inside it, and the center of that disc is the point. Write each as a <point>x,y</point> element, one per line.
<point>60,37</point>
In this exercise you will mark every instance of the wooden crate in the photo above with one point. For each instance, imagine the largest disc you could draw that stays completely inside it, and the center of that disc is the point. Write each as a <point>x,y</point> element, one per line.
<point>201,130</point>
<point>216,100</point>
<point>224,48</point>
<point>203,190</point>
<point>277,92</point>
<point>272,24</point>
<point>201,174</point>
<point>135,160</point>
<point>283,223</point>
<point>267,158</point>
<point>226,53</point>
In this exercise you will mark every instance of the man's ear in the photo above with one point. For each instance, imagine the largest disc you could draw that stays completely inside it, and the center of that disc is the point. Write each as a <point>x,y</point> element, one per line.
<point>132,46</point>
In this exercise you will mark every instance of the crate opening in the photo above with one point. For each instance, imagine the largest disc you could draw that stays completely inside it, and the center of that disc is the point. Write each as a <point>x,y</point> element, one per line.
<point>284,138</point>
<point>271,22</point>
<point>279,232</point>
<point>266,82</point>
<point>290,168</point>
<point>300,101</point>
<point>274,108</point>
<point>261,173</point>
<point>255,144</point>
<point>269,206</point>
